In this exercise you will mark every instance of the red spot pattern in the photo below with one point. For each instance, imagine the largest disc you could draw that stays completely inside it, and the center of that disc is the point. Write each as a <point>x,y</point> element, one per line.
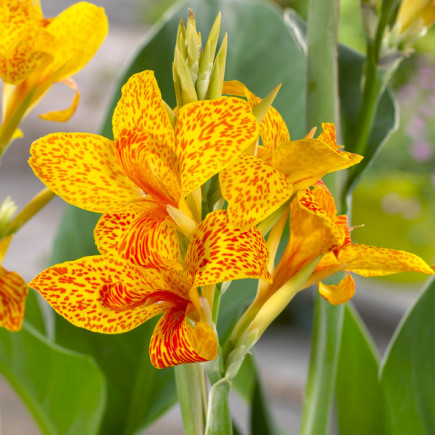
<point>218,252</point>
<point>13,293</point>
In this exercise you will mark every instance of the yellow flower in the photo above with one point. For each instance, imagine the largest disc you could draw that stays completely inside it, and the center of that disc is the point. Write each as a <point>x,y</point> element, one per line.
<point>315,230</point>
<point>36,52</point>
<point>110,295</point>
<point>416,12</point>
<point>257,185</point>
<point>149,169</point>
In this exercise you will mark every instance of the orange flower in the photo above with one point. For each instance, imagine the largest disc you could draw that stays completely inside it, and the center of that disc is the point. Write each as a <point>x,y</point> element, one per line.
<point>150,168</point>
<point>110,295</point>
<point>257,185</point>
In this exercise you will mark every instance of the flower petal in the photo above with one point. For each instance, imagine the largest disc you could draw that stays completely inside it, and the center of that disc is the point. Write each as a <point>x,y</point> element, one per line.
<point>84,170</point>
<point>253,189</point>
<point>373,261</point>
<point>328,135</point>
<point>324,199</point>
<point>339,293</point>
<point>150,164</point>
<point>141,234</point>
<point>78,32</point>
<point>307,160</point>
<point>83,291</point>
<point>13,293</point>
<point>64,115</point>
<point>210,135</point>
<point>175,341</point>
<point>312,233</point>
<point>218,252</point>
<point>141,107</point>
<point>273,130</point>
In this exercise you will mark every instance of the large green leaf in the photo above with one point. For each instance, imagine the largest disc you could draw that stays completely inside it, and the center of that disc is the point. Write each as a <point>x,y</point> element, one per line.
<point>359,394</point>
<point>64,391</point>
<point>408,375</point>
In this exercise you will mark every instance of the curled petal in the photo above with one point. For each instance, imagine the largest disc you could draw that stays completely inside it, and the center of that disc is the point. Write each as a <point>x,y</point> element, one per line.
<point>140,234</point>
<point>64,115</point>
<point>13,293</point>
<point>307,160</point>
<point>84,170</point>
<point>210,136</point>
<point>141,107</point>
<point>218,252</point>
<point>253,189</point>
<point>339,293</point>
<point>150,164</point>
<point>328,135</point>
<point>175,341</point>
<point>373,261</point>
<point>82,291</point>
<point>324,198</point>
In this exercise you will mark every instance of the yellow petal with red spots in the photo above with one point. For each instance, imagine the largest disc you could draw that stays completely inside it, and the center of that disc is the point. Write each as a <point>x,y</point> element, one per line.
<point>307,160</point>
<point>87,290</point>
<point>141,107</point>
<point>141,234</point>
<point>328,135</point>
<point>327,266</point>
<point>150,165</point>
<point>210,135</point>
<point>64,115</point>
<point>176,341</point>
<point>84,170</point>
<point>339,293</point>
<point>373,261</point>
<point>273,130</point>
<point>13,293</point>
<point>253,189</point>
<point>312,233</point>
<point>218,252</point>
<point>78,32</point>
<point>324,199</point>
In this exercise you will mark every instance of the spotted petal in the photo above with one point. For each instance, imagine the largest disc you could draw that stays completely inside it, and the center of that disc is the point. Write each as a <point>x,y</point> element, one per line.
<point>84,292</point>
<point>141,107</point>
<point>373,261</point>
<point>150,164</point>
<point>142,234</point>
<point>210,136</point>
<point>218,252</point>
<point>253,189</point>
<point>84,170</point>
<point>176,341</point>
<point>13,293</point>
<point>339,293</point>
<point>307,160</point>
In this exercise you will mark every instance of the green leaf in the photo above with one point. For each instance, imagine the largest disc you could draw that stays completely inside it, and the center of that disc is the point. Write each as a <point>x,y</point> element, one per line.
<point>408,375</point>
<point>63,390</point>
<point>359,393</point>
<point>351,65</point>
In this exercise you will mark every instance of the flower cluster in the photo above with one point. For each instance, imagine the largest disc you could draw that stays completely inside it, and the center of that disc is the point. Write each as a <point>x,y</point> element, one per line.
<point>166,238</point>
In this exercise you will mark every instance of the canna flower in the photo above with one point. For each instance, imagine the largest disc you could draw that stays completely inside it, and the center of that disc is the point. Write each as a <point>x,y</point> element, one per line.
<point>36,52</point>
<point>140,180</point>
<point>317,230</point>
<point>259,183</point>
<point>111,295</point>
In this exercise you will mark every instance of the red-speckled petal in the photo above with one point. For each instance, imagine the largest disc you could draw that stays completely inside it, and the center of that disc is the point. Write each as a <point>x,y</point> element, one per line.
<point>177,341</point>
<point>141,107</point>
<point>151,165</point>
<point>217,252</point>
<point>339,293</point>
<point>307,160</point>
<point>312,233</point>
<point>142,234</point>
<point>83,291</point>
<point>324,199</point>
<point>253,189</point>
<point>13,293</point>
<point>373,261</point>
<point>273,130</point>
<point>328,135</point>
<point>210,136</point>
<point>84,170</point>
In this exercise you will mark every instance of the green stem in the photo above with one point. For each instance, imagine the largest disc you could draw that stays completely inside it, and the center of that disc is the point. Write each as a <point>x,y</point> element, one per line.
<point>191,391</point>
<point>219,414</point>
